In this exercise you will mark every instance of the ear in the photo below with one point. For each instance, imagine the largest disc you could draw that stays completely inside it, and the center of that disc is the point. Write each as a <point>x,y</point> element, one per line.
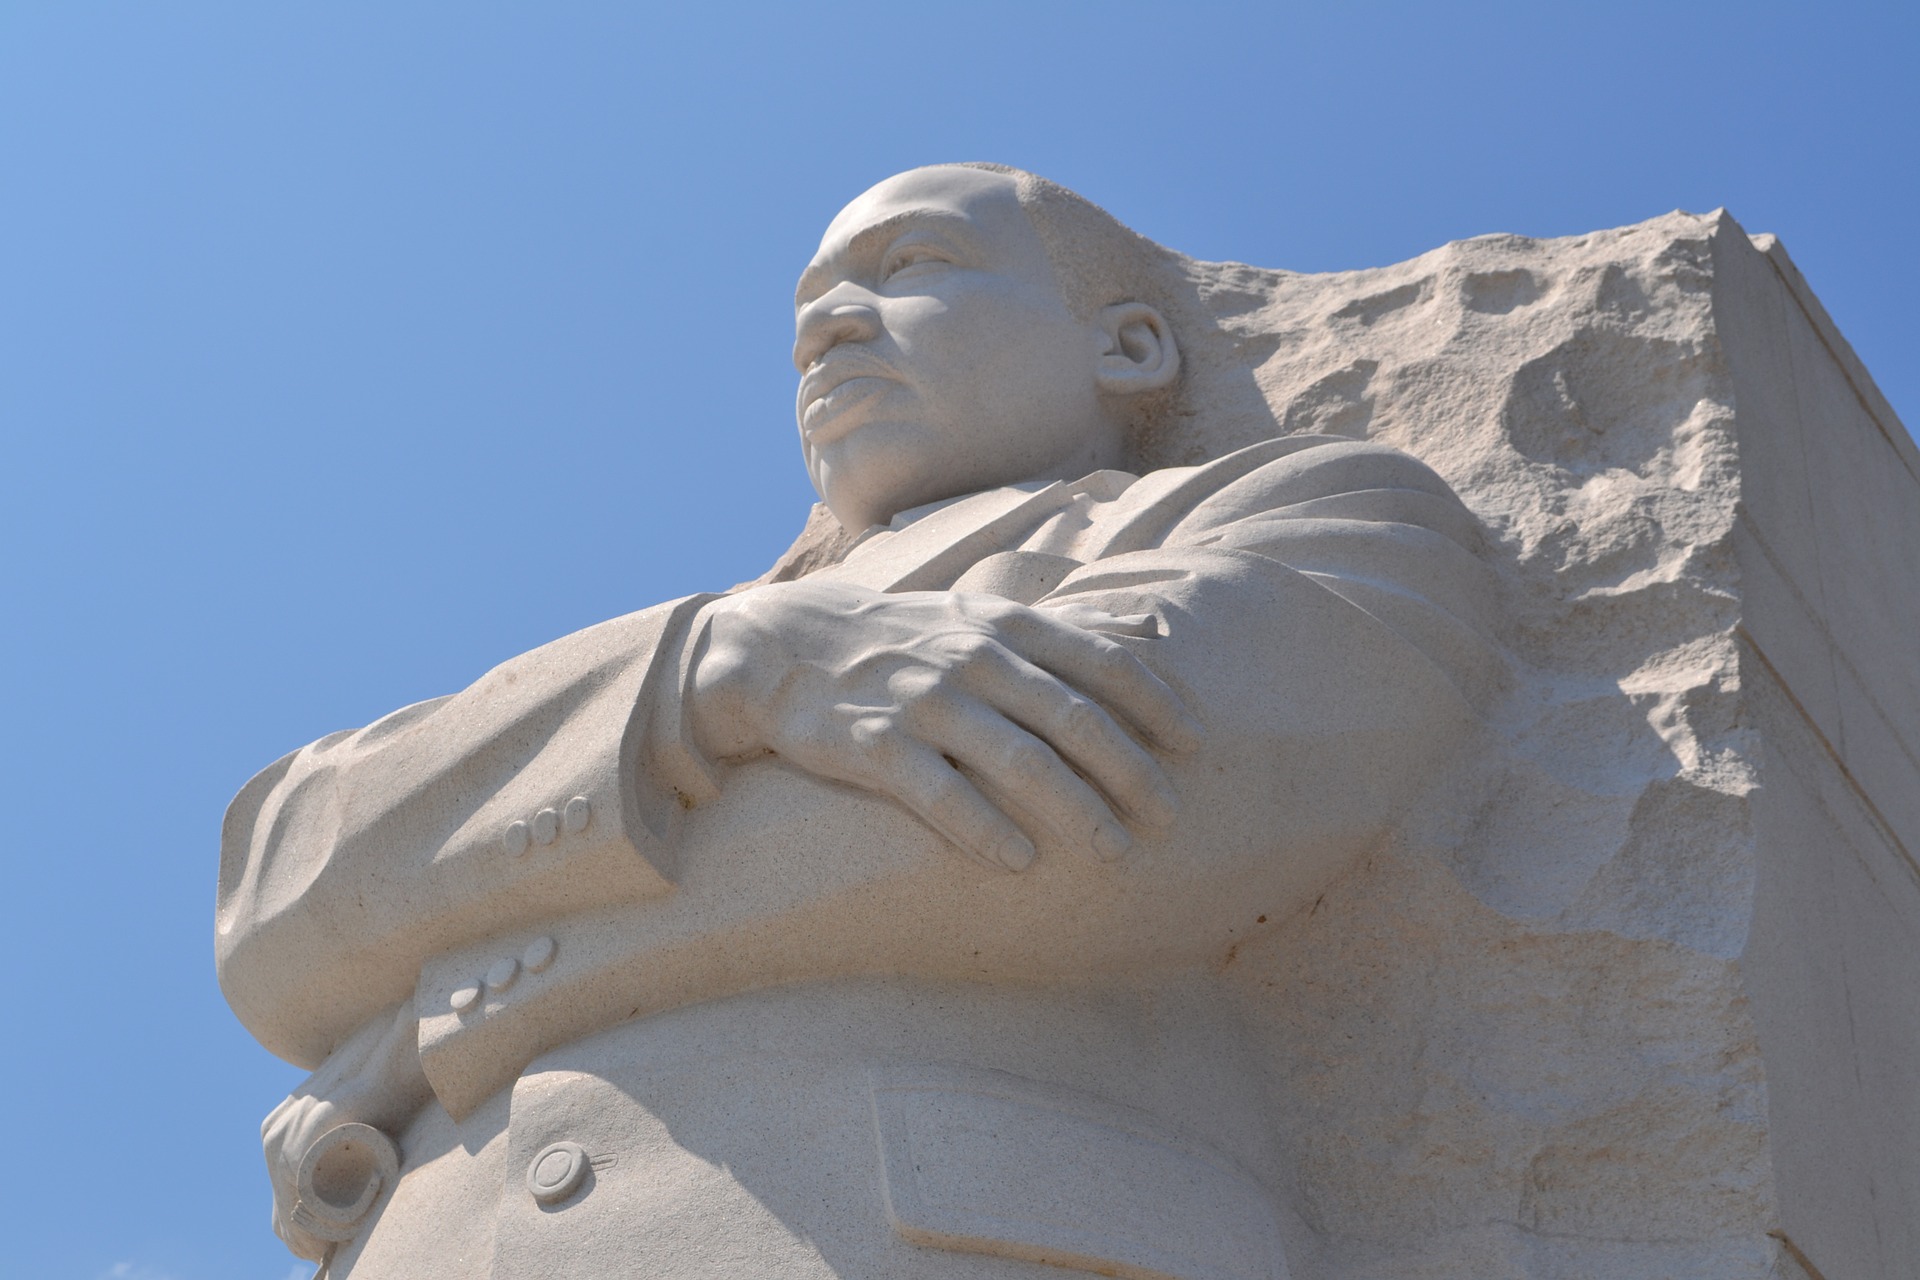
<point>1139,352</point>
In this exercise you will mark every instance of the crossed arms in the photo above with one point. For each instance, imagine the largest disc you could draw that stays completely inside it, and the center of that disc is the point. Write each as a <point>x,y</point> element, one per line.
<point>1277,619</point>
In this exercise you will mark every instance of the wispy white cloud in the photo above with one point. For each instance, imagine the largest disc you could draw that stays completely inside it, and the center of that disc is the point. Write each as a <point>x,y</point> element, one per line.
<point>135,1271</point>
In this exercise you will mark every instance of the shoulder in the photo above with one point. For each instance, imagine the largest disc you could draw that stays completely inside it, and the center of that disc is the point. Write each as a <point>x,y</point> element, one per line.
<point>1308,478</point>
<point>1317,477</point>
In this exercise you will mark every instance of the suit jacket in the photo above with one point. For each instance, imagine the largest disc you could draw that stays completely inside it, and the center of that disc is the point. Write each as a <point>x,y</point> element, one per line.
<point>1317,602</point>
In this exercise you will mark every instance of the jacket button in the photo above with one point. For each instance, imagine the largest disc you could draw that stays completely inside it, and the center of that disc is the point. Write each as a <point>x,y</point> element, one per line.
<point>557,1172</point>
<point>503,974</point>
<point>546,825</point>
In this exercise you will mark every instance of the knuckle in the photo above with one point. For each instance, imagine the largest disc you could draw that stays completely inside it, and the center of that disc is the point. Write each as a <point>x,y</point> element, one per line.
<point>1026,760</point>
<point>913,684</point>
<point>948,650</point>
<point>973,646</point>
<point>872,732</point>
<point>946,800</point>
<point>1081,719</point>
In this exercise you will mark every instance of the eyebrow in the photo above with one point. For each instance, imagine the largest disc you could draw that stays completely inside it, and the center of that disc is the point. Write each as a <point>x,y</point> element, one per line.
<point>866,240</point>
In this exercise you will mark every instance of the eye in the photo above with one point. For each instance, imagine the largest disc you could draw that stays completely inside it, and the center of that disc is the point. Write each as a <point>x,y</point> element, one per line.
<point>909,256</point>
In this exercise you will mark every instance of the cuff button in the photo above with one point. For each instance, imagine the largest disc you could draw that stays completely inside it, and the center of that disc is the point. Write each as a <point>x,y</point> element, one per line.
<point>578,812</point>
<point>546,825</point>
<point>505,972</point>
<point>515,839</point>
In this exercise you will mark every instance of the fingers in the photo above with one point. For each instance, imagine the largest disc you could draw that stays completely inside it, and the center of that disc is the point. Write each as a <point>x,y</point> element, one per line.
<point>1006,774</point>
<point>1018,768</point>
<point>993,722</point>
<point>1078,730</point>
<point>1108,672</point>
<point>923,780</point>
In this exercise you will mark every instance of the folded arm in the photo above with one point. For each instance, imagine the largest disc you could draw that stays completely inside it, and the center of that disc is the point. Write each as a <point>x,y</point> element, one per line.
<point>1005,710</point>
<point>347,864</point>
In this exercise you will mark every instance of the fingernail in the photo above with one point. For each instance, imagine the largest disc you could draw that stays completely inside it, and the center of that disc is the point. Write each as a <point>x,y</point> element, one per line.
<point>1015,853</point>
<point>1111,840</point>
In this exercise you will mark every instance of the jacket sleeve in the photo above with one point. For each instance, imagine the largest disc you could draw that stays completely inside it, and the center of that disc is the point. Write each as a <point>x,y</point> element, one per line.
<point>534,792</point>
<point>1371,525</point>
<point>1378,529</point>
<point>1317,606</point>
<point>1326,613</point>
<point>1322,606</point>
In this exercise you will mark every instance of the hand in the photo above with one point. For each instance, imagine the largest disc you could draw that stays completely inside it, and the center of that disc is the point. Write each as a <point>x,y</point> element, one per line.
<point>992,721</point>
<point>374,1078</point>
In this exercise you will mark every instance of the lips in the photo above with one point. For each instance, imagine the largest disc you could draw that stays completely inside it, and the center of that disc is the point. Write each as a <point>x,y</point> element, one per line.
<point>840,381</point>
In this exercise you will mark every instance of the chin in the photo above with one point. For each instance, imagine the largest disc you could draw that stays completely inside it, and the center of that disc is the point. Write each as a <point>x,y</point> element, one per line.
<point>880,469</point>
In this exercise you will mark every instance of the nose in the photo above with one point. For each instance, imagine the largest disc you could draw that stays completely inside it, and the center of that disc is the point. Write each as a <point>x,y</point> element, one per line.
<point>841,314</point>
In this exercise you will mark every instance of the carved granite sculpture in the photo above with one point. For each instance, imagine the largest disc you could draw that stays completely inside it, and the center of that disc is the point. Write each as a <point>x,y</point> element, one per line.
<point>1149,824</point>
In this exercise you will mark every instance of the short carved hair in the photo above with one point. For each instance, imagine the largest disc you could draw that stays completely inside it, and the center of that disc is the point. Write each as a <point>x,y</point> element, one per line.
<point>1098,260</point>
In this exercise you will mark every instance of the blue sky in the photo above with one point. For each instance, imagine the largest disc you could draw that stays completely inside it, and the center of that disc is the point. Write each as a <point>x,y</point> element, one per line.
<point>349,349</point>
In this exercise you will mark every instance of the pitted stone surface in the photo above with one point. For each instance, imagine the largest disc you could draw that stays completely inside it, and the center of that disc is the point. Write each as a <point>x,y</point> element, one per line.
<point>1565,1010</point>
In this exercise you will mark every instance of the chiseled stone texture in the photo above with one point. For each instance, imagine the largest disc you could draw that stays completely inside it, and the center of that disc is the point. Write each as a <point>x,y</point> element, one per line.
<point>1629,996</point>
<point>1646,1008</point>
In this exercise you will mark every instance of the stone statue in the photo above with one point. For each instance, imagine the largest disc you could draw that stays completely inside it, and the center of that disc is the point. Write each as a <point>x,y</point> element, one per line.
<point>949,902</point>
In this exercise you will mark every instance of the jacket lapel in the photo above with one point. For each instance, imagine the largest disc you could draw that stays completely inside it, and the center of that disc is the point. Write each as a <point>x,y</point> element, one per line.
<point>932,552</point>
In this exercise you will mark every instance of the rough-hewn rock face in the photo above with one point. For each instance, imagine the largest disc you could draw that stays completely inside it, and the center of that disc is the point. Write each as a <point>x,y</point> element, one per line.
<point>1523,1040</point>
<point>1628,995</point>
<point>1521,1044</point>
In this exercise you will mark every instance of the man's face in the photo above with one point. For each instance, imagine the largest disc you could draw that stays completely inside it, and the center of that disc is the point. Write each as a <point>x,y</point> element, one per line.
<point>936,353</point>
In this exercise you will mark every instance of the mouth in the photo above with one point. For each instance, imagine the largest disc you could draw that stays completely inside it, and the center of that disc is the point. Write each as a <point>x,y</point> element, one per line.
<point>830,388</point>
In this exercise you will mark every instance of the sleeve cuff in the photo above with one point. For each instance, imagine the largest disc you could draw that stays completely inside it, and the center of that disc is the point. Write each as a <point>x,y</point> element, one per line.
<point>676,762</point>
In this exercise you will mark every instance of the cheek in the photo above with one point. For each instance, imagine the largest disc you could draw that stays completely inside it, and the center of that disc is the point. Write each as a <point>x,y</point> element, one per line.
<point>991,345</point>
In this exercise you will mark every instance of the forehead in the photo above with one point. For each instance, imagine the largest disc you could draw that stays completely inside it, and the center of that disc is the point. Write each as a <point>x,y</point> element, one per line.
<point>977,203</point>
